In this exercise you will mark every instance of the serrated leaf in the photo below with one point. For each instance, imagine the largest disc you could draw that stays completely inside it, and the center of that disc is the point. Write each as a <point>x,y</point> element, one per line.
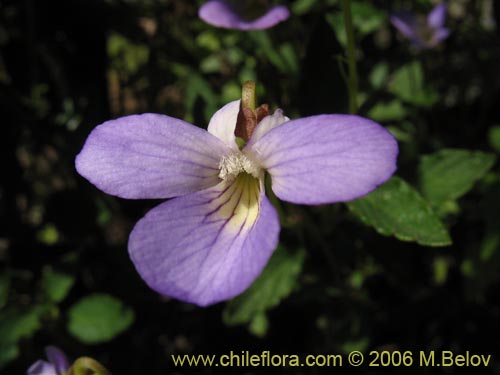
<point>99,318</point>
<point>15,325</point>
<point>397,209</point>
<point>274,284</point>
<point>449,174</point>
<point>56,285</point>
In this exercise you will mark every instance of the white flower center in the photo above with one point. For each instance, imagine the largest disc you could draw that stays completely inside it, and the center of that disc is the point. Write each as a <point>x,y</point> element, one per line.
<point>231,166</point>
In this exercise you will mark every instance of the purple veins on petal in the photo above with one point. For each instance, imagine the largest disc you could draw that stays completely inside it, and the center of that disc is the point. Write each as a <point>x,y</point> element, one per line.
<point>241,15</point>
<point>150,156</point>
<point>327,158</point>
<point>209,246</point>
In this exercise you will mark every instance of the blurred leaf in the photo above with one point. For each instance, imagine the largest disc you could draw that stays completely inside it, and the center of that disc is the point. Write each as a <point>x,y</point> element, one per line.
<point>208,40</point>
<point>440,266</point>
<point>99,318</point>
<point>391,111</point>
<point>48,234</point>
<point>284,58</point>
<point>494,137</point>
<point>274,284</point>
<point>4,288</point>
<point>300,7</point>
<point>395,208</point>
<point>56,285</point>
<point>407,83</point>
<point>449,174</point>
<point>365,17</point>
<point>378,75</point>
<point>126,56</point>
<point>259,325</point>
<point>14,326</point>
<point>197,86</point>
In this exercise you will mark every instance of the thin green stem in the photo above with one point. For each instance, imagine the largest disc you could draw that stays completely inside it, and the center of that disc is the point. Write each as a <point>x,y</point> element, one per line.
<point>351,57</point>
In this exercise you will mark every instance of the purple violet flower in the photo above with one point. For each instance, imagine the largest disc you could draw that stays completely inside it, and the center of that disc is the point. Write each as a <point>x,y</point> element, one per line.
<point>57,363</point>
<point>242,14</point>
<point>423,32</point>
<point>212,241</point>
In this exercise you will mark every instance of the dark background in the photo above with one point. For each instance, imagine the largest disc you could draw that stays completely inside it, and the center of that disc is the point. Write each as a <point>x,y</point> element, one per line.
<point>60,77</point>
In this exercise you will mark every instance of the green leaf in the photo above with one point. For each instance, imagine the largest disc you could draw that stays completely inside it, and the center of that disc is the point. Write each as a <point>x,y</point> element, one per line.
<point>494,137</point>
<point>15,325</point>
<point>378,75</point>
<point>48,234</point>
<point>275,283</point>
<point>391,111</point>
<point>449,174</point>
<point>397,209</point>
<point>408,84</point>
<point>56,285</point>
<point>99,318</point>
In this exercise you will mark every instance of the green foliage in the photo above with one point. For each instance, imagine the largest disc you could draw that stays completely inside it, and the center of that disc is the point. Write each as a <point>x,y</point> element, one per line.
<point>99,318</point>
<point>397,209</point>
<point>450,173</point>
<point>365,17</point>
<point>494,137</point>
<point>275,283</point>
<point>48,234</point>
<point>127,57</point>
<point>56,285</point>
<point>390,111</point>
<point>16,324</point>
<point>408,84</point>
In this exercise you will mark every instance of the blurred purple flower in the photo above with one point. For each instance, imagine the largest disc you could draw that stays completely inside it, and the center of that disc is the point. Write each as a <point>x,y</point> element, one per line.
<point>242,14</point>
<point>57,363</point>
<point>423,32</point>
<point>212,241</point>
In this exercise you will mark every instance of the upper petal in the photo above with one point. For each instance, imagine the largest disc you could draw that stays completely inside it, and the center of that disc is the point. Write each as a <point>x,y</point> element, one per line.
<point>437,16</point>
<point>223,123</point>
<point>57,358</point>
<point>326,158</point>
<point>267,124</point>
<point>208,246</point>
<point>221,14</point>
<point>150,156</point>
<point>42,368</point>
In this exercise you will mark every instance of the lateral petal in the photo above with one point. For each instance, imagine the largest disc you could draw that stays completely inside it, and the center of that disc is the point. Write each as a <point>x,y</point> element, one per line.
<point>326,158</point>
<point>150,156</point>
<point>209,246</point>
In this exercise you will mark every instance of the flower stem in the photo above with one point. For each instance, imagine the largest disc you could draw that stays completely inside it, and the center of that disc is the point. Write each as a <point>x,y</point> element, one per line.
<point>351,57</point>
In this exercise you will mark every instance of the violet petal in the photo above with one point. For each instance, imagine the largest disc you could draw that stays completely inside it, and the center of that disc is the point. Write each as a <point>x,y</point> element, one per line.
<point>326,158</point>
<point>57,358</point>
<point>208,246</point>
<point>150,156</point>
<point>221,14</point>
<point>406,24</point>
<point>437,16</point>
<point>42,368</point>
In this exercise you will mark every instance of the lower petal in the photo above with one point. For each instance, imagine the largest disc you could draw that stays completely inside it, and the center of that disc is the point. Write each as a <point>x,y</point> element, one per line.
<point>208,246</point>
